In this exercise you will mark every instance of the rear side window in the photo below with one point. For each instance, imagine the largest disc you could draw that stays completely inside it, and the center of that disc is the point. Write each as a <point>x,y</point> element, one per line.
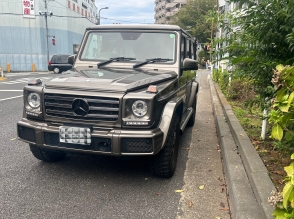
<point>60,59</point>
<point>63,59</point>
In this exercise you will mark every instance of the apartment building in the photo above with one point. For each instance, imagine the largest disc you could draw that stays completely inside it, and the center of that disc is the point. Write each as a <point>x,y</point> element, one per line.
<point>164,9</point>
<point>23,29</point>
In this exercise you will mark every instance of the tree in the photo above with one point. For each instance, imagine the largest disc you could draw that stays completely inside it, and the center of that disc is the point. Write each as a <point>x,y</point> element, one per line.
<point>193,18</point>
<point>264,38</point>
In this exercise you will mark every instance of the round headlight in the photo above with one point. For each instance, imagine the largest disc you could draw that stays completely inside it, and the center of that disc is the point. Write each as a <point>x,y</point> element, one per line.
<point>139,108</point>
<point>34,100</point>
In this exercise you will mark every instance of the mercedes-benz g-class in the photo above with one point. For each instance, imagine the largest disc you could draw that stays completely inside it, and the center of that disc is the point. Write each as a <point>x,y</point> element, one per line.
<point>131,91</point>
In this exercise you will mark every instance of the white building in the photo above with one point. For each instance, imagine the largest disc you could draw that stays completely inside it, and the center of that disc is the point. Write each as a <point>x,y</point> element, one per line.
<point>164,9</point>
<point>23,30</point>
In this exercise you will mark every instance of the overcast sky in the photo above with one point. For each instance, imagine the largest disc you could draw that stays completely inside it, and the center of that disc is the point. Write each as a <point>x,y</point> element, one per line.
<point>126,11</point>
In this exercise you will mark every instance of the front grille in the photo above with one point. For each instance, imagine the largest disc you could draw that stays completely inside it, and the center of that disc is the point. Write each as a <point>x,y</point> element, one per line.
<point>97,144</point>
<point>136,145</point>
<point>27,134</point>
<point>100,108</point>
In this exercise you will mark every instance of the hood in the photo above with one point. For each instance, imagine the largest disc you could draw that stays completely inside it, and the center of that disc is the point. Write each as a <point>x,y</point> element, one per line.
<point>109,80</point>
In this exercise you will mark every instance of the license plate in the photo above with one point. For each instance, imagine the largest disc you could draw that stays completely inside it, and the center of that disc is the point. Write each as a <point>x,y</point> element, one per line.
<point>74,135</point>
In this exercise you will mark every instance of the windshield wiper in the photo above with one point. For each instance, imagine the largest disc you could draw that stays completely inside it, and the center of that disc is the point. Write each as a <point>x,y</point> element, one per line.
<point>114,59</point>
<point>151,61</point>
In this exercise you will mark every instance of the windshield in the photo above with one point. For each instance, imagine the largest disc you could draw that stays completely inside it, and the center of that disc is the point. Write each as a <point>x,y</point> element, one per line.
<point>137,45</point>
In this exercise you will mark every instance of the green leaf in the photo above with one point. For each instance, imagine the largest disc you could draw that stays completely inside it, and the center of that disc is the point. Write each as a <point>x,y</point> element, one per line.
<point>281,94</point>
<point>289,170</point>
<point>280,67</point>
<point>291,97</point>
<point>285,118</point>
<point>292,157</point>
<point>284,108</point>
<point>277,132</point>
<point>286,193</point>
<point>279,213</point>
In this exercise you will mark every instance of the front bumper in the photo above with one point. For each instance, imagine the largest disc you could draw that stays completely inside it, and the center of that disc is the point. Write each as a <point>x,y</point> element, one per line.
<point>103,141</point>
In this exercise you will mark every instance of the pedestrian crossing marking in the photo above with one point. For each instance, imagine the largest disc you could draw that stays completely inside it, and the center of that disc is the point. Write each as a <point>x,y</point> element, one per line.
<point>22,80</point>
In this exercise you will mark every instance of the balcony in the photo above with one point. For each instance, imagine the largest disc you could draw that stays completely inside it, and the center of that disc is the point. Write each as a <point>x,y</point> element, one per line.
<point>168,14</point>
<point>170,5</point>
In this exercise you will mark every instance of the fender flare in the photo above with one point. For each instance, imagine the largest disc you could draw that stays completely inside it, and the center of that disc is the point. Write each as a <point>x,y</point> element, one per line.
<point>169,110</point>
<point>194,92</point>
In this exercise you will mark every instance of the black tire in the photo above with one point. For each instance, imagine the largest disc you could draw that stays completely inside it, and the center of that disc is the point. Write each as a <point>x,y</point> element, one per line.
<point>165,162</point>
<point>192,118</point>
<point>56,70</point>
<point>47,155</point>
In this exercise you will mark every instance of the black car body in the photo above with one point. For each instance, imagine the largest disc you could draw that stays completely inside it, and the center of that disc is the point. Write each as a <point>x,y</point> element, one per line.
<point>59,63</point>
<point>132,92</point>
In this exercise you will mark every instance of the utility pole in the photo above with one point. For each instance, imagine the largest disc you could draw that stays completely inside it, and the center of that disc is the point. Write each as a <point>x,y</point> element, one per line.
<point>45,14</point>
<point>46,23</point>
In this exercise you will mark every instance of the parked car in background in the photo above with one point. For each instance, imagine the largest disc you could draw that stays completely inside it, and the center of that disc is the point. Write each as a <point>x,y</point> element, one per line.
<point>59,63</point>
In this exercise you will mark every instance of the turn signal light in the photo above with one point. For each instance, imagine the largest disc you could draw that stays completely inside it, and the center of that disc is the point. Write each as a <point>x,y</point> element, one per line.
<point>152,89</point>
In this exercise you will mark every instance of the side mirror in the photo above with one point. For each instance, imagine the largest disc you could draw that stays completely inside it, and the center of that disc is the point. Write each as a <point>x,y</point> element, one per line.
<point>189,64</point>
<point>76,48</point>
<point>71,59</point>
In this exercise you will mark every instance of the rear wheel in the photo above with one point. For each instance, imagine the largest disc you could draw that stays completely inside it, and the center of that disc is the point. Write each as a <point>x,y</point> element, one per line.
<point>56,70</point>
<point>165,162</point>
<point>47,155</point>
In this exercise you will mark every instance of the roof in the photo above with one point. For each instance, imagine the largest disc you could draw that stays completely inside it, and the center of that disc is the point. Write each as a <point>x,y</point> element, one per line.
<point>136,26</point>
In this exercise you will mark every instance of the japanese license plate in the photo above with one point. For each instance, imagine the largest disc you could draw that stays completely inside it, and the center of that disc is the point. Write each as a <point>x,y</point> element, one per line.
<point>74,135</point>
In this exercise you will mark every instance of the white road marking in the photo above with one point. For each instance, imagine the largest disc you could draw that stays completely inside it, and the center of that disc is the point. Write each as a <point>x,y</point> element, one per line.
<point>22,80</point>
<point>27,73</point>
<point>10,98</point>
<point>11,90</point>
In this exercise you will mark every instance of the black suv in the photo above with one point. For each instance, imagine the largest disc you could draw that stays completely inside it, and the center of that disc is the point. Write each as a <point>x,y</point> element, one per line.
<point>59,63</point>
<point>132,92</point>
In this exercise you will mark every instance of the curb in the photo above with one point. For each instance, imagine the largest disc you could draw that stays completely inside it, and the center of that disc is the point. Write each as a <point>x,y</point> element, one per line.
<point>249,184</point>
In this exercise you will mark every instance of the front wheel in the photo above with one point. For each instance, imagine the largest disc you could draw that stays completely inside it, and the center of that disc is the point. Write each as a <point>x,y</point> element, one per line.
<point>165,162</point>
<point>47,155</point>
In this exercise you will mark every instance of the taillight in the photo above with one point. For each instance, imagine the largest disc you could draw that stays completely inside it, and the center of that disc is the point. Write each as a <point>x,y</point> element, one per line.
<point>49,63</point>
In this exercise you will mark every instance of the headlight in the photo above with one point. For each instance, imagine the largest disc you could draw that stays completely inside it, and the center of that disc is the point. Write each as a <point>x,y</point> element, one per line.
<point>34,100</point>
<point>139,108</point>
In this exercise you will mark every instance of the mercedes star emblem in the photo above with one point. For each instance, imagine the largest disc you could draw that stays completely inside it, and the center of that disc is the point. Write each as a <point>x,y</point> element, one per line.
<point>80,107</point>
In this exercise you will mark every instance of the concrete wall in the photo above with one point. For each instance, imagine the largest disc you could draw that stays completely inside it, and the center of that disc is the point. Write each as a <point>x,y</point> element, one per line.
<point>23,40</point>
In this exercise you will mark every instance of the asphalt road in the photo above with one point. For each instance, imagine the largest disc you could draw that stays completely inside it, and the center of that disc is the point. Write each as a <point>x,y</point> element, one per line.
<point>86,186</point>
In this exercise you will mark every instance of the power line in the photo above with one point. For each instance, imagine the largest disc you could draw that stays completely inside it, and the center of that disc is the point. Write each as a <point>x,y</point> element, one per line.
<point>123,21</point>
<point>51,16</point>
<point>79,17</point>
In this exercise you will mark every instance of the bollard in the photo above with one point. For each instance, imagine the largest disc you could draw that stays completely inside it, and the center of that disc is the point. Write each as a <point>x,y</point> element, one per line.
<point>33,67</point>
<point>1,71</point>
<point>264,122</point>
<point>8,67</point>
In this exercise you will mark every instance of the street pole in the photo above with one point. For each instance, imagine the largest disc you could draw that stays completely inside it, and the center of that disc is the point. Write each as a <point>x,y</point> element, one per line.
<point>47,46</point>
<point>211,33</point>
<point>98,19</point>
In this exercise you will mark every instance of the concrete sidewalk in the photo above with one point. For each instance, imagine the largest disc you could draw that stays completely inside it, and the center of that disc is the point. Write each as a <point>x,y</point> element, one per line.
<point>248,182</point>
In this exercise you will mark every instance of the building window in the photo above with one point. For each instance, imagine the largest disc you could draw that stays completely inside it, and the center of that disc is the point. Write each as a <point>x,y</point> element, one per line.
<point>75,1</point>
<point>73,6</point>
<point>82,12</point>
<point>84,6</point>
<point>68,3</point>
<point>78,9</point>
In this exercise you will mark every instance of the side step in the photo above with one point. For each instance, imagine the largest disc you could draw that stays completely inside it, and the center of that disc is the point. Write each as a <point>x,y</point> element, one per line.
<point>186,118</point>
